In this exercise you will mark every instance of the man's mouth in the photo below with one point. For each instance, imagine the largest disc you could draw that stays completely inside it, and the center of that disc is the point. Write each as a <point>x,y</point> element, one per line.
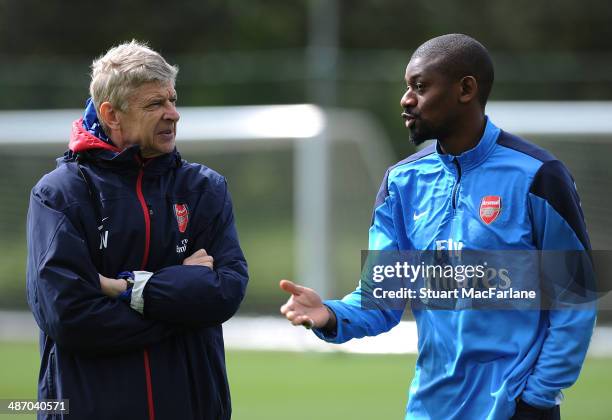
<point>408,118</point>
<point>167,134</point>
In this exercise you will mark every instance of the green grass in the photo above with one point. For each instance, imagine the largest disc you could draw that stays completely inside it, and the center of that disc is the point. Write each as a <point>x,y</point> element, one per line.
<point>305,386</point>
<point>18,373</point>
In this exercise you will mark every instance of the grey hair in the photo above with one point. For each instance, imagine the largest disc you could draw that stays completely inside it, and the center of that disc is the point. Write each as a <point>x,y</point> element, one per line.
<point>124,68</point>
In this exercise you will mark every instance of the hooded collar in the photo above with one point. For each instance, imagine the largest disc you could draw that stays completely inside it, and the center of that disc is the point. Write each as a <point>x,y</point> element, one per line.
<point>92,124</point>
<point>82,140</point>
<point>473,157</point>
<point>87,132</point>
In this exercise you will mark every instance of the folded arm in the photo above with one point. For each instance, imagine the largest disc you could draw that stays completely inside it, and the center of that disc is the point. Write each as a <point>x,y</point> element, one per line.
<point>65,296</point>
<point>198,293</point>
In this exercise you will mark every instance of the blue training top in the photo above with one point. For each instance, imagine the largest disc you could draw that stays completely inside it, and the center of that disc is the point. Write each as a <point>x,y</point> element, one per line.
<point>475,364</point>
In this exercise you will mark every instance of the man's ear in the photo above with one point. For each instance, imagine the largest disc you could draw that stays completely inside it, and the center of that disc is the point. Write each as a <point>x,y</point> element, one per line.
<point>109,116</point>
<point>468,89</point>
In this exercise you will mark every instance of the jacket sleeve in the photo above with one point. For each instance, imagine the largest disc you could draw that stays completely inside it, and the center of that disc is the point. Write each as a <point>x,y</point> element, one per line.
<point>196,295</point>
<point>354,319</point>
<point>63,290</point>
<point>558,224</point>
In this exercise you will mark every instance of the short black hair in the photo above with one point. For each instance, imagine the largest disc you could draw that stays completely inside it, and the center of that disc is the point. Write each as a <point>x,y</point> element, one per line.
<point>460,55</point>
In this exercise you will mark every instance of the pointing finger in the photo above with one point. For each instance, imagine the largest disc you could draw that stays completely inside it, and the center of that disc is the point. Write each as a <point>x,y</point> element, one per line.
<point>291,287</point>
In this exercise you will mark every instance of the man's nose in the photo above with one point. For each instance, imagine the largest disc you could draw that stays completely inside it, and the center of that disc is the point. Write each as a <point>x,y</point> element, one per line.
<point>172,114</point>
<point>408,100</point>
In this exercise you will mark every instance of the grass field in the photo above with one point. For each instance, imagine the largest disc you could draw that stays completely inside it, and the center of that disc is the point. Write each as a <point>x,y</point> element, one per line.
<point>301,386</point>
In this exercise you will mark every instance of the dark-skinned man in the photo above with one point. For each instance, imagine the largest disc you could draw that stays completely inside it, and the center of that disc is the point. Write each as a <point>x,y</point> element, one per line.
<point>475,188</point>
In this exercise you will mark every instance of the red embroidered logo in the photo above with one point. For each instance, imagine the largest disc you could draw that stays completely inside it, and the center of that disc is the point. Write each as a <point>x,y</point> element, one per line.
<point>490,207</point>
<point>182,216</point>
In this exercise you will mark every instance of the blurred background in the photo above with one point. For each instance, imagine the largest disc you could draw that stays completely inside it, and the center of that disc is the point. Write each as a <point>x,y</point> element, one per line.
<point>335,54</point>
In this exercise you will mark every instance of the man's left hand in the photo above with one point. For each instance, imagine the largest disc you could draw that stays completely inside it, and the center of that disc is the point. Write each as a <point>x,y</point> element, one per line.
<point>112,287</point>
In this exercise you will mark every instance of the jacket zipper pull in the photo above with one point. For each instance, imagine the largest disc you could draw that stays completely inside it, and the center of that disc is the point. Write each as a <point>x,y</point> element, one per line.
<point>456,186</point>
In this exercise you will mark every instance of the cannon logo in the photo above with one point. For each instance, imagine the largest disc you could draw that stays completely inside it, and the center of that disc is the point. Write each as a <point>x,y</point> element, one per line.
<point>182,216</point>
<point>490,207</point>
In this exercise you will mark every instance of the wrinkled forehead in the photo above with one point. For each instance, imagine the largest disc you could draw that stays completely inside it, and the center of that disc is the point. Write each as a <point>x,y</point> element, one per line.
<point>151,90</point>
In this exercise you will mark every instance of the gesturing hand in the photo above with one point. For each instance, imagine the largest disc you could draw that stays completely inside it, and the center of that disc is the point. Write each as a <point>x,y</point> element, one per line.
<point>200,257</point>
<point>304,307</point>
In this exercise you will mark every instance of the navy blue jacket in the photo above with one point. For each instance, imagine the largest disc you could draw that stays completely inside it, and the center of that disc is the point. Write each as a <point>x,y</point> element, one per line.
<point>104,211</point>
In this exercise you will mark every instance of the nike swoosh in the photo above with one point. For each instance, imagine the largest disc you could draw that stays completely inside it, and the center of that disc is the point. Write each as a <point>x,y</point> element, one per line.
<point>416,216</point>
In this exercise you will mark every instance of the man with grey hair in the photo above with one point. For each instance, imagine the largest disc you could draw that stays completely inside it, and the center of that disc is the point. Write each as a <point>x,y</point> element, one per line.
<point>133,257</point>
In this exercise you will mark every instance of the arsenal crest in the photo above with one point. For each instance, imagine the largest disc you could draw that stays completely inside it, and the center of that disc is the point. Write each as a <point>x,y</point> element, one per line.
<point>490,207</point>
<point>182,216</point>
